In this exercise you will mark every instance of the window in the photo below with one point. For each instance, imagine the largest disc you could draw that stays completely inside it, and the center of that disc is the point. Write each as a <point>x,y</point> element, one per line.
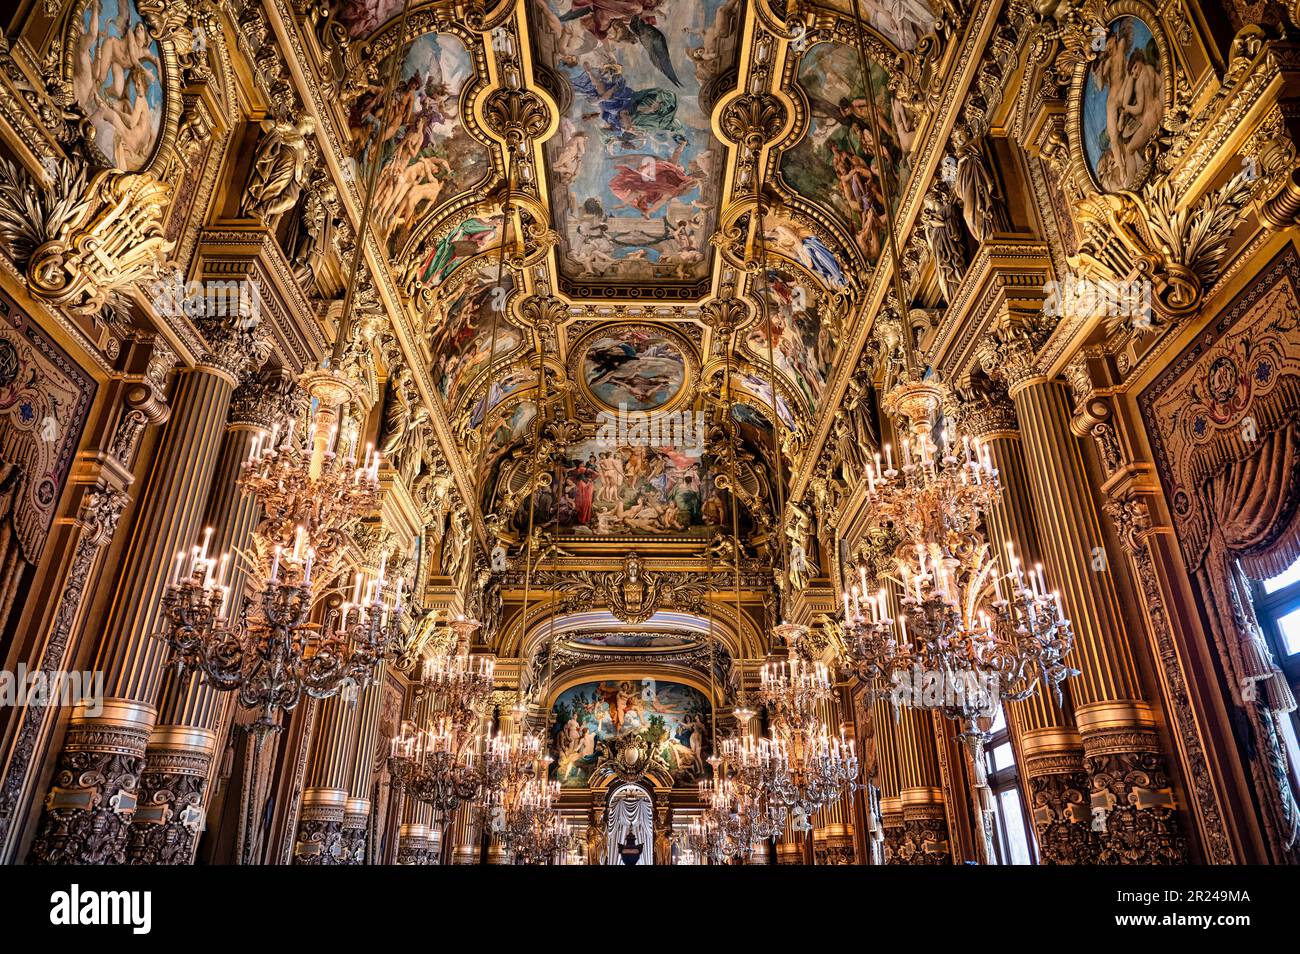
<point>1277,602</point>
<point>1277,605</point>
<point>1013,842</point>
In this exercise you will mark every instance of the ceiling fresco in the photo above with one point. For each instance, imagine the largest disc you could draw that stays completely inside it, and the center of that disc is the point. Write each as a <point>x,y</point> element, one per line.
<point>836,162</point>
<point>425,150</point>
<point>631,186</point>
<point>636,170</point>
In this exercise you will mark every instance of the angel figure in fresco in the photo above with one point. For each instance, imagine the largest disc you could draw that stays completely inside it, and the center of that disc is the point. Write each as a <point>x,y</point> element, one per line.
<point>464,241</point>
<point>625,21</point>
<point>123,54</point>
<point>652,183</point>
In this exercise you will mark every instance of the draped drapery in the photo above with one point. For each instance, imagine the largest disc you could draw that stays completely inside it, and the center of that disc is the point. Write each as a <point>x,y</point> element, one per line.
<point>1254,508</point>
<point>630,810</point>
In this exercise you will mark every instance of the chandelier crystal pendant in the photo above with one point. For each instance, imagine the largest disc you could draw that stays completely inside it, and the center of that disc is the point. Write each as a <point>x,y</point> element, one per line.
<point>267,647</point>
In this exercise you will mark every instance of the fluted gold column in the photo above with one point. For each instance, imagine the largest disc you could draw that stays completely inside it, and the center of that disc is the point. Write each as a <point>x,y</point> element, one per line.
<point>1130,799</point>
<point>1051,749</point>
<point>925,822</point>
<point>90,806</point>
<point>329,780</point>
<point>885,732</point>
<point>356,820</point>
<point>417,841</point>
<point>178,761</point>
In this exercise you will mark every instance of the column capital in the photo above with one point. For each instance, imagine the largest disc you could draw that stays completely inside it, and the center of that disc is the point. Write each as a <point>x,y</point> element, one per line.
<point>258,403</point>
<point>1009,354</point>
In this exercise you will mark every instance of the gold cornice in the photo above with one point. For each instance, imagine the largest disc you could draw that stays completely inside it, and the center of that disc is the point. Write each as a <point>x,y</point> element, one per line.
<point>1008,276</point>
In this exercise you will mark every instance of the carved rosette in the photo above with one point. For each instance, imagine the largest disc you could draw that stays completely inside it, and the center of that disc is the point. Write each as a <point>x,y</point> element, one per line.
<point>1134,814</point>
<point>753,119</point>
<point>89,809</point>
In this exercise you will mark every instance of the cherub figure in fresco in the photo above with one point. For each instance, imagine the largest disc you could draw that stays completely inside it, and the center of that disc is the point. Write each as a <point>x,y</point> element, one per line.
<point>122,53</point>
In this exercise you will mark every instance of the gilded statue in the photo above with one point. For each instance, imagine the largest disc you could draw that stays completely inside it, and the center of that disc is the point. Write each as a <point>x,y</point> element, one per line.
<point>981,208</point>
<point>943,237</point>
<point>279,167</point>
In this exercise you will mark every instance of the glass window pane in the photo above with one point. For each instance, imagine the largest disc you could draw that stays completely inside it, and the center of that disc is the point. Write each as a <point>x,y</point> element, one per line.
<point>1288,576</point>
<point>999,722</point>
<point>1013,823</point>
<point>1003,757</point>
<point>1289,625</point>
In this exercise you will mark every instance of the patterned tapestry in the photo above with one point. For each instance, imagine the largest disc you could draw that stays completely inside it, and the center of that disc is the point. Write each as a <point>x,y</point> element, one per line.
<point>1236,383</point>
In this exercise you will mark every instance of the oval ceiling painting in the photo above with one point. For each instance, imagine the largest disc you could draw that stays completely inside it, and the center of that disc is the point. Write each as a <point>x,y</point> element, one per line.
<point>633,368</point>
<point>632,639</point>
<point>1123,104</point>
<point>117,79</point>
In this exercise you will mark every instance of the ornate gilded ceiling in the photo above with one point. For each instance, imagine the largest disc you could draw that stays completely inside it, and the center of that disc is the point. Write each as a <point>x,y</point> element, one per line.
<point>632,138</point>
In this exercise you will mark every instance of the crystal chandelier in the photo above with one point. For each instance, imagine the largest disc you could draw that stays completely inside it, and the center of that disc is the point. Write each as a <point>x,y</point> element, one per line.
<point>800,766</point>
<point>738,815</point>
<point>532,828</point>
<point>988,635</point>
<point>267,647</point>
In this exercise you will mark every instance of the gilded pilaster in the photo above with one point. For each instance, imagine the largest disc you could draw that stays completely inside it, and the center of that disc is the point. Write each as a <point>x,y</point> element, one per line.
<point>89,809</point>
<point>1130,800</point>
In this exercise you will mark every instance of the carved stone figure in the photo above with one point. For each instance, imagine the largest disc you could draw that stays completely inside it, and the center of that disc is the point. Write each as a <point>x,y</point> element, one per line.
<point>943,236</point>
<point>399,408</point>
<point>981,208</point>
<point>279,167</point>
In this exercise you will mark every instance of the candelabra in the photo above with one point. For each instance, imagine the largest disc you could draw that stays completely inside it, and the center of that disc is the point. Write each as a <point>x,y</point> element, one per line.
<point>793,689</point>
<point>740,813</point>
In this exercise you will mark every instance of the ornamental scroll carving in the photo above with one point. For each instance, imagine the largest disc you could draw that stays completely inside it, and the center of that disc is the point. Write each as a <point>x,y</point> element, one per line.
<point>633,594</point>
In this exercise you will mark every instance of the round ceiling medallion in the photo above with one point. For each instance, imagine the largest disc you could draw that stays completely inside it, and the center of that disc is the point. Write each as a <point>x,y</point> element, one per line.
<point>633,368</point>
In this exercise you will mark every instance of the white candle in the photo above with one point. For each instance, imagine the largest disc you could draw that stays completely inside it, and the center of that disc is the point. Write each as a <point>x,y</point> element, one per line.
<point>275,564</point>
<point>889,456</point>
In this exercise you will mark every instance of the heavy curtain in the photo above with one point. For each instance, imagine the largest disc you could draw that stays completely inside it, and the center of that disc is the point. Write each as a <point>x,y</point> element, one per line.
<point>1254,508</point>
<point>630,810</point>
